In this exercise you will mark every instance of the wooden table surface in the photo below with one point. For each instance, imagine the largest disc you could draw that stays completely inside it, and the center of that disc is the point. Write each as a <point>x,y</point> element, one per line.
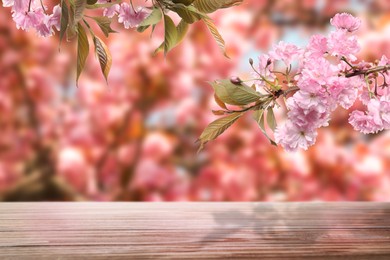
<point>194,230</point>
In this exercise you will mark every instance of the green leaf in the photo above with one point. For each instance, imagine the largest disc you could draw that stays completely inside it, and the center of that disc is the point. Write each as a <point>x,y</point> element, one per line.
<point>170,37</point>
<point>182,29</point>
<point>258,116</point>
<point>185,2</point>
<point>188,13</point>
<point>91,2</point>
<point>271,121</point>
<point>235,94</point>
<point>82,50</point>
<point>217,127</point>
<point>64,20</point>
<point>107,5</point>
<point>220,102</point>
<point>71,31</point>
<point>217,36</point>
<point>230,3</point>
<point>210,6</point>
<point>142,28</point>
<point>154,18</point>
<point>104,56</point>
<point>79,8</point>
<point>159,49</point>
<point>104,24</point>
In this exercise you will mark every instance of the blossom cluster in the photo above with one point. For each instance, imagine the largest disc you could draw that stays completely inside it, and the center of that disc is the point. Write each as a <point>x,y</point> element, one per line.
<point>127,14</point>
<point>327,76</point>
<point>33,14</point>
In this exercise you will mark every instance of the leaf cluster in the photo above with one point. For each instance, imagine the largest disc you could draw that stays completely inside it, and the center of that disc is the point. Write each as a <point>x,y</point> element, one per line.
<point>238,94</point>
<point>75,25</point>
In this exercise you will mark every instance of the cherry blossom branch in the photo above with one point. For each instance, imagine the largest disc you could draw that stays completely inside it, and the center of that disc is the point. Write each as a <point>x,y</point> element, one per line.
<point>368,71</point>
<point>321,82</point>
<point>68,19</point>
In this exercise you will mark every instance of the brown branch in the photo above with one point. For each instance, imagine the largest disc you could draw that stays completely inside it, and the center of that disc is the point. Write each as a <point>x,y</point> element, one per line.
<point>266,99</point>
<point>367,71</point>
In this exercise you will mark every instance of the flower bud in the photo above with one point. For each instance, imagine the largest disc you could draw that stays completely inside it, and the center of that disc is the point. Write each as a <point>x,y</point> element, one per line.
<point>251,61</point>
<point>235,80</point>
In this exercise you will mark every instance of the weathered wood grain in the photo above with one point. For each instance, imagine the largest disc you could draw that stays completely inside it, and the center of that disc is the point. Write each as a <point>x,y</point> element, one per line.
<point>194,230</point>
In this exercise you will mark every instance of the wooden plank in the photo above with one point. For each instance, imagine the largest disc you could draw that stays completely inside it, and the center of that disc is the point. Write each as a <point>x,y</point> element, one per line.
<point>194,230</point>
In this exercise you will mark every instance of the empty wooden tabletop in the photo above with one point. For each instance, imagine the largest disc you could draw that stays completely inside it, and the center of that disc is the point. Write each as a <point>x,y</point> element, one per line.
<point>194,230</point>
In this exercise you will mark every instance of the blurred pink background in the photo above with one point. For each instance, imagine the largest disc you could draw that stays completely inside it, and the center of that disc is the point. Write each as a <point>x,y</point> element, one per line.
<point>135,139</point>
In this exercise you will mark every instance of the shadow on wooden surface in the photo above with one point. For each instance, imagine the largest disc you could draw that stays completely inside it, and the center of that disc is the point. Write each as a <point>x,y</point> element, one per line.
<point>195,230</point>
<point>306,229</point>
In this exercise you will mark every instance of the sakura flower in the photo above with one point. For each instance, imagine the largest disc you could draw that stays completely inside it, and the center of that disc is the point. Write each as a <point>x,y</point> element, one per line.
<point>43,28</point>
<point>8,3</point>
<point>27,20</point>
<point>110,11</point>
<point>308,100</point>
<point>380,111</point>
<point>347,97</point>
<point>286,52</point>
<point>55,18</point>
<point>384,61</point>
<point>308,84</point>
<point>291,137</point>
<point>346,22</point>
<point>317,46</point>
<point>341,44</point>
<point>131,18</point>
<point>365,97</point>
<point>307,116</point>
<point>320,70</point>
<point>363,123</point>
<point>345,91</point>
<point>19,6</point>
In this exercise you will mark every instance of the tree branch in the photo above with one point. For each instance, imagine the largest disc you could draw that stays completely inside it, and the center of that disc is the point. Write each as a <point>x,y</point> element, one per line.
<point>368,71</point>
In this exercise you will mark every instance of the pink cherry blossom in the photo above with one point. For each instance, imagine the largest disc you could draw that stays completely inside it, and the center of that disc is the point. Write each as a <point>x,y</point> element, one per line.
<point>363,123</point>
<point>311,100</point>
<point>22,5</point>
<point>28,20</point>
<point>346,22</point>
<point>364,96</point>
<point>110,11</point>
<point>380,111</point>
<point>286,52</point>
<point>319,70</point>
<point>55,18</point>
<point>306,117</point>
<point>345,91</point>
<point>30,15</point>
<point>340,43</point>
<point>8,3</point>
<point>291,137</point>
<point>317,46</point>
<point>43,28</point>
<point>131,18</point>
